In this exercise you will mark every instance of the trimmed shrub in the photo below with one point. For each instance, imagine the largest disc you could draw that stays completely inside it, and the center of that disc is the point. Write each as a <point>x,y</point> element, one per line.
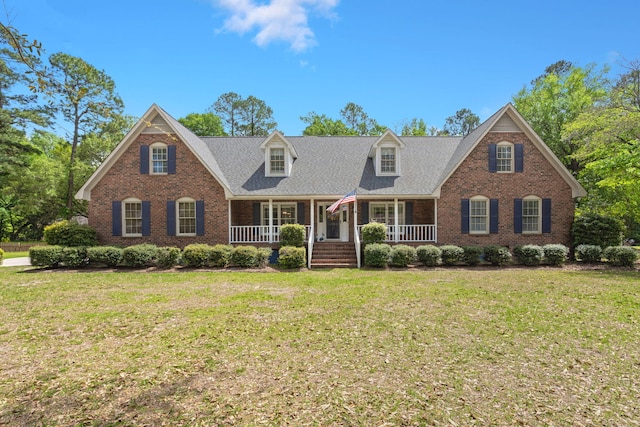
<point>262,257</point>
<point>244,256</point>
<point>66,233</point>
<point>374,232</point>
<point>75,256</point>
<point>46,256</point>
<point>530,255</point>
<point>292,235</point>
<point>472,255</point>
<point>620,256</point>
<point>555,254</point>
<point>451,254</point>
<point>108,255</point>
<point>142,255</point>
<point>219,255</point>
<point>167,257</point>
<point>590,254</point>
<point>402,255</point>
<point>594,229</point>
<point>376,254</point>
<point>497,255</point>
<point>292,257</point>
<point>428,255</point>
<point>196,255</point>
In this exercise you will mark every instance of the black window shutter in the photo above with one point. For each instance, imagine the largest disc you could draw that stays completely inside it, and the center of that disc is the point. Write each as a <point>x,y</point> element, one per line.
<point>116,218</point>
<point>364,212</point>
<point>519,148</point>
<point>493,158</point>
<point>517,216</point>
<point>300,213</point>
<point>171,218</point>
<point>171,159</point>
<point>256,213</point>
<point>144,159</point>
<point>464,214</point>
<point>493,219</point>
<point>199,217</point>
<point>408,213</point>
<point>546,215</point>
<point>146,218</point>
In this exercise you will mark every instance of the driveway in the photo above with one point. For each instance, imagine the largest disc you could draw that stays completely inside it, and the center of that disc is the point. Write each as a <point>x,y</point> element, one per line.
<point>16,262</point>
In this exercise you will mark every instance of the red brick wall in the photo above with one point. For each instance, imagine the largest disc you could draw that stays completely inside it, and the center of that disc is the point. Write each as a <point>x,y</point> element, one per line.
<point>473,178</point>
<point>192,179</point>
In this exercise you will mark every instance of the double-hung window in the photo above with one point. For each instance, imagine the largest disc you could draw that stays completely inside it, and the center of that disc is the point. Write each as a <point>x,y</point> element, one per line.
<point>132,217</point>
<point>276,161</point>
<point>388,164</point>
<point>479,215</point>
<point>282,213</point>
<point>504,157</point>
<point>531,215</point>
<point>186,210</point>
<point>385,213</point>
<point>159,159</point>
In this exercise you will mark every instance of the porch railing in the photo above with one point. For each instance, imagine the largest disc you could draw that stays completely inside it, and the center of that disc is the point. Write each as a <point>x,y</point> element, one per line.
<point>409,233</point>
<point>258,233</point>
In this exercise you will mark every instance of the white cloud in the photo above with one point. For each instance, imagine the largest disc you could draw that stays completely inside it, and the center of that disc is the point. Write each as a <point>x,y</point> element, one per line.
<point>277,20</point>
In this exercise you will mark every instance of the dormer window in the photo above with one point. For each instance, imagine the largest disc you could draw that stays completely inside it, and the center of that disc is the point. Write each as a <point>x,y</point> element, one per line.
<point>388,160</point>
<point>276,161</point>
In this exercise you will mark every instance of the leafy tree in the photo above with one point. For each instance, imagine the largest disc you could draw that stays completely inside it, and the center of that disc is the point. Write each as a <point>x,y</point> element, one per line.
<point>462,123</point>
<point>418,127</point>
<point>356,119</point>
<point>228,107</point>
<point>558,97</point>
<point>257,117</point>
<point>321,125</point>
<point>85,96</point>
<point>204,124</point>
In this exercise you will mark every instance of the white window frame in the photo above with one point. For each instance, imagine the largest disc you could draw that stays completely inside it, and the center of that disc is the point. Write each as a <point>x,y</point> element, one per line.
<point>380,161</point>
<point>125,217</point>
<point>536,219</point>
<point>388,161</point>
<point>278,219</point>
<point>278,172</point>
<point>152,160</point>
<point>478,215</point>
<point>388,212</point>
<point>180,219</point>
<point>505,164</point>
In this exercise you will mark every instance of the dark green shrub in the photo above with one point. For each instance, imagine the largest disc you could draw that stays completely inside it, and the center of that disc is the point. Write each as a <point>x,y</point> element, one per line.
<point>472,255</point>
<point>376,254</point>
<point>497,255</point>
<point>167,257</point>
<point>451,254</point>
<point>46,256</point>
<point>530,255</point>
<point>66,233</point>
<point>244,256</point>
<point>75,256</point>
<point>292,235</point>
<point>402,255</point>
<point>374,232</point>
<point>590,254</point>
<point>219,255</point>
<point>620,256</point>
<point>1,256</point>
<point>108,255</point>
<point>517,251</point>
<point>196,255</point>
<point>556,254</point>
<point>594,229</point>
<point>262,257</point>
<point>292,257</point>
<point>142,255</point>
<point>428,255</point>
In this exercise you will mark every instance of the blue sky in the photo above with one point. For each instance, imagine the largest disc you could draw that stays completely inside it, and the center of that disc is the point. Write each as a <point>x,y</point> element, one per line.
<point>398,59</point>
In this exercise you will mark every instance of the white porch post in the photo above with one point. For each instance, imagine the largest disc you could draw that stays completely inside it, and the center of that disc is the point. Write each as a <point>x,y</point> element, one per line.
<point>395,220</point>
<point>229,208</point>
<point>312,219</point>
<point>270,220</point>
<point>435,220</point>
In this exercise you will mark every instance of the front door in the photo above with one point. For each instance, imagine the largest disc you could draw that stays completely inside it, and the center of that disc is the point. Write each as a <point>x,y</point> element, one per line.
<point>333,226</point>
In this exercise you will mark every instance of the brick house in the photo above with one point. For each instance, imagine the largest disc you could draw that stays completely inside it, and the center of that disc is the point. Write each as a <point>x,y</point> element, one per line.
<point>498,185</point>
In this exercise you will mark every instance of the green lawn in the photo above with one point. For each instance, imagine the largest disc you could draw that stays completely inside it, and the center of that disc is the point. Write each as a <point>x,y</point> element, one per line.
<point>343,347</point>
<point>8,255</point>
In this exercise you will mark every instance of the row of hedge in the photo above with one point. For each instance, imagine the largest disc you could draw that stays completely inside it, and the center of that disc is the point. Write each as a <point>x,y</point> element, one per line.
<point>147,255</point>
<point>382,254</point>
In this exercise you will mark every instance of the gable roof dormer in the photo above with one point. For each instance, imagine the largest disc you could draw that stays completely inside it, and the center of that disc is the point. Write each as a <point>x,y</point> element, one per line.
<point>279,155</point>
<point>385,153</point>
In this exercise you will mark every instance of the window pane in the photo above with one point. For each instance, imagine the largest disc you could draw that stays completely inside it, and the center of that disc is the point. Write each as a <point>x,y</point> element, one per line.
<point>504,156</point>
<point>478,216</point>
<point>287,214</point>
<point>530,216</point>
<point>186,218</point>
<point>388,160</point>
<point>159,159</point>
<point>277,160</point>
<point>133,217</point>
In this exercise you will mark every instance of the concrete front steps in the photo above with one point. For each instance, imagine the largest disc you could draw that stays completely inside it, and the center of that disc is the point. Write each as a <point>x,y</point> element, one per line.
<point>334,255</point>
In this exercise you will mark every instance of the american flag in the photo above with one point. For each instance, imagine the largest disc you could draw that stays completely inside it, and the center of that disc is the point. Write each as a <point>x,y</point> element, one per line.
<point>348,198</point>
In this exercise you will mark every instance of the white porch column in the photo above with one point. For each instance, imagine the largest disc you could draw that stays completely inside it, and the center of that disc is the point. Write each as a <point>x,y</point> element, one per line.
<point>229,208</point>
<point>312,219</point>
<point>435,219</point>
<point>395,220</point>
<point>270,220</point>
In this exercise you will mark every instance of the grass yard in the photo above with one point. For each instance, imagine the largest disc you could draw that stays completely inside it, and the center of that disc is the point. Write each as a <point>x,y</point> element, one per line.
<point>343,347</point>
<point>8,255</point>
